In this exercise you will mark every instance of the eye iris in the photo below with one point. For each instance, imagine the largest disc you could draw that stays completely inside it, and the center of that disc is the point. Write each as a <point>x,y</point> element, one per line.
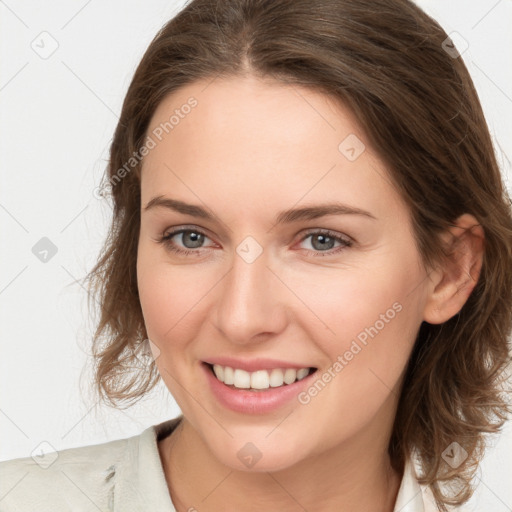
<point>324,239</point>
<point>196,238</point>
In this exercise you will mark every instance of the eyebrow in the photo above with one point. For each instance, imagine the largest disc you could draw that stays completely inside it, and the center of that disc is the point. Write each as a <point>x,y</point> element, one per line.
<point>285,217</point>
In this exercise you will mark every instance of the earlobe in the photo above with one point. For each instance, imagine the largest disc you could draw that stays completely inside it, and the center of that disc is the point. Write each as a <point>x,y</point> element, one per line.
<point>453,282</point>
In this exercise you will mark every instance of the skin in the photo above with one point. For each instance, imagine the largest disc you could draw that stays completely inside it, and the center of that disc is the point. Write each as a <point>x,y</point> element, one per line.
<point>248,150</point>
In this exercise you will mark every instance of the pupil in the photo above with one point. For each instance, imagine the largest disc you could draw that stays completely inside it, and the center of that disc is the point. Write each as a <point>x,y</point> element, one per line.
<point>196,239</point>
<point>323,240</point>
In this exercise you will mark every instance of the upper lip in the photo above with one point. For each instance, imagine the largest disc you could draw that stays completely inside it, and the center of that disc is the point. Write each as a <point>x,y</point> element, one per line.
<point>252,365</point>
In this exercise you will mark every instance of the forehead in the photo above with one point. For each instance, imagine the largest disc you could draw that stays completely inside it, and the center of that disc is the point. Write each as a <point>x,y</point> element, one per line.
<point>256,110</point>
<point>254,143</point>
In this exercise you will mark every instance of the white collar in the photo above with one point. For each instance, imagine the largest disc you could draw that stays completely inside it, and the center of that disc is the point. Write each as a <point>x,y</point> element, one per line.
<point>141,482</point>
<point>410,496</point>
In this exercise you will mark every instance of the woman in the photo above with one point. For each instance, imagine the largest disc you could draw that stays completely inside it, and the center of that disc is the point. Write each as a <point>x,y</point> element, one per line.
<point>312,237</point>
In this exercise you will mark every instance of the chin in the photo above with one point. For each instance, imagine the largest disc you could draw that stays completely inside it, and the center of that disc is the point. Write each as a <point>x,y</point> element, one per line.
<point>257,456</point>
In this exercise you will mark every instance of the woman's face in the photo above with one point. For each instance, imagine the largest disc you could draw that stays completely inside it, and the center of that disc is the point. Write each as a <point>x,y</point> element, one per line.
<point>265,292</point>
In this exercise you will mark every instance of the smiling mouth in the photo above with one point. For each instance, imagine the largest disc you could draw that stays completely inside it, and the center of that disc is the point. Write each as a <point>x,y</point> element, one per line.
<point>260,380</point>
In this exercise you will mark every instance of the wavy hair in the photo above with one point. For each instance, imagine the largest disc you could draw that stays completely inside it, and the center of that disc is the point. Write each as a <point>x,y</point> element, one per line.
<point>388,63</point>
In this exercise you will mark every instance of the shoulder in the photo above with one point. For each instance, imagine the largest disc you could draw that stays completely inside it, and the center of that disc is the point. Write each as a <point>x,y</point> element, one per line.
<point>124,475</point>
<point>74,477</point>
<point>417,497</point>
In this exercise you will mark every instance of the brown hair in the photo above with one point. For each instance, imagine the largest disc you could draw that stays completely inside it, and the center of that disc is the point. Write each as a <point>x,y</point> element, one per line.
<point>417,105</point>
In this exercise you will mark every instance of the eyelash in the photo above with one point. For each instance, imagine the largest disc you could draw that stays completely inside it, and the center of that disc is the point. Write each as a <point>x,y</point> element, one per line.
<point>166,241</point>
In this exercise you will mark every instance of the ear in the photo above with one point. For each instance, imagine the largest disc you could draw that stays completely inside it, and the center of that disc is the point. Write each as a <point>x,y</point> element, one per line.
<point>452,282</point>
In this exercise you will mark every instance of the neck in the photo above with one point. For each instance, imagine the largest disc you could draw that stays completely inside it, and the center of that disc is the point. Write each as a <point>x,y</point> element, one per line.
<point>356,476</point>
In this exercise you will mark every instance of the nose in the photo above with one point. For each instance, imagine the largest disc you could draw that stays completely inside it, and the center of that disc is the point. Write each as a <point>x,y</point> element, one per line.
<point>250,302</point>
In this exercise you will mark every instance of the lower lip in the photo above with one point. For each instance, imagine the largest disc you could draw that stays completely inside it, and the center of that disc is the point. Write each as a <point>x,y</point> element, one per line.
<point>254,402</point>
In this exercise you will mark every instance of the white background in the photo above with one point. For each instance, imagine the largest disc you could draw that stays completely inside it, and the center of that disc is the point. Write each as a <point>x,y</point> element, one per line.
<point>58,118</point>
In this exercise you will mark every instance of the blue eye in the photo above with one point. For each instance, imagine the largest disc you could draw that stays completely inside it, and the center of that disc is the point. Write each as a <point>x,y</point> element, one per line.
<point>196,239</point>
<point>192,239</point>
<point>324,240</point>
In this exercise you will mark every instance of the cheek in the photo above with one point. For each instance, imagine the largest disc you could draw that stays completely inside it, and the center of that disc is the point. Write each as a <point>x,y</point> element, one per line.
<point>347,302</point>
<point>375,318</point>
<point>155,300</point>
<point>369,316</point>
<point>171,297</point>
<point>169,303</point>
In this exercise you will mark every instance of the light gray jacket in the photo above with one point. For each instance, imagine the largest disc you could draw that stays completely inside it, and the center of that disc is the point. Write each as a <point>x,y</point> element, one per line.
<point>125,475</point>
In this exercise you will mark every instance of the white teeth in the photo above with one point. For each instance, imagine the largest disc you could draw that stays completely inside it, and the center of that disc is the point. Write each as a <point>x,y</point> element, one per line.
<point>260,379</point>
<point>290,375</point>
<point>242,379</point>
<point>276,378</point>
<point>219,371</point>
<point>229,375</point>
<point>303,372</point>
